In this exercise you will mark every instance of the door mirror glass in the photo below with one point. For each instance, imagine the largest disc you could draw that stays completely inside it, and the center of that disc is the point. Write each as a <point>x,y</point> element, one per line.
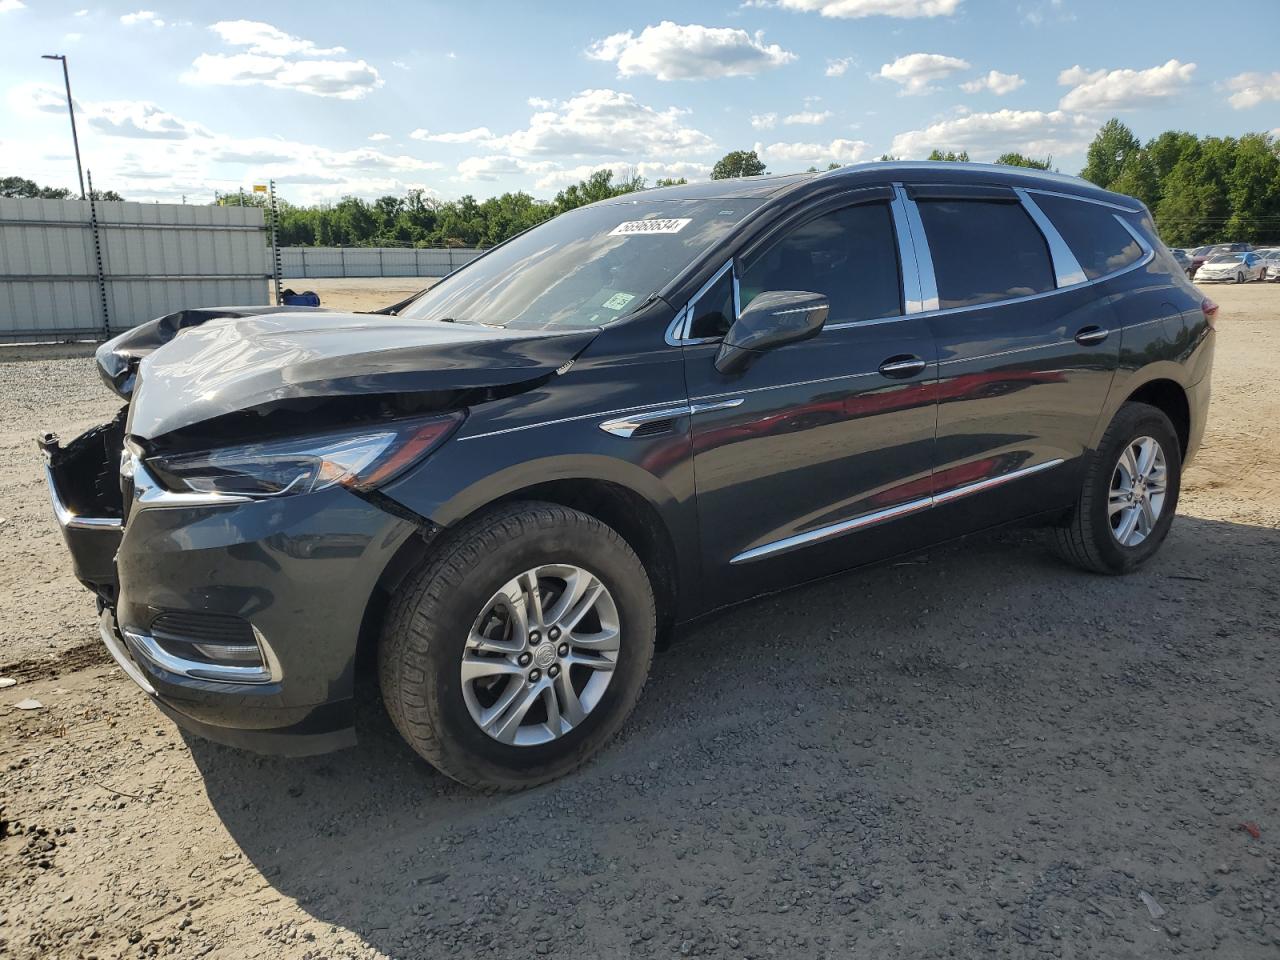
<point>772,320</point>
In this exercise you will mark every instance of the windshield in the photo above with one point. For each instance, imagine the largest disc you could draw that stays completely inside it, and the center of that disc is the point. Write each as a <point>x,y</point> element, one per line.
<point>582,268</point>
<point>1227,258</point>
<point>1201,251</point>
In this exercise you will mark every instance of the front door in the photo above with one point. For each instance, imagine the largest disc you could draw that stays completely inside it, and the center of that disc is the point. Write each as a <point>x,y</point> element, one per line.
<point>819,456</point>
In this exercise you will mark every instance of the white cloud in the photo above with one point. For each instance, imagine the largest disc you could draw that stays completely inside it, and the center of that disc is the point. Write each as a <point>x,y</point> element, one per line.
<point>399,64</point>
<point>478,135</point>
<point>9,6</point>
<point>343,79</point>
<point>807,117</point>
<point>605,123</point>
<point>271,41</point>
<point>1251,89</point>
<point>651,171</point>
<point>79,13</point>
<point>854,9</point>
<point>996,82</point>
<point>764,121</point>
<point>672,51</point>
<point>799,156</point>
<point>140,118</point>
<point>916,72</point>
<point>142,152</point>
<point>987,135</point>
<point>141,16</point>
<point>379,136</point>
<point>267,62</point>
<point>1123,89</point>
<point>540,103</point>
<point>839,66</point>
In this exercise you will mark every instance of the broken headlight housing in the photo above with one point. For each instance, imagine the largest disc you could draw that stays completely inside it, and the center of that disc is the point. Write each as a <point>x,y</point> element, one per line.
<point>360,459</point>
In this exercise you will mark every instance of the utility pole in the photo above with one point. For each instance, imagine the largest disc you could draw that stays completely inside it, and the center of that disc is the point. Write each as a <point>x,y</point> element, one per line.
<point>71,110</point>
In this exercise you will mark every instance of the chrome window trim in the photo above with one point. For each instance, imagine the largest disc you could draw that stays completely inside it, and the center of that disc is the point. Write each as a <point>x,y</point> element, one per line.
<point>1075,196</point>
<point>927,290</point>
<point>831,531</point>
<point>1067,271</point>
<point>678,332</point>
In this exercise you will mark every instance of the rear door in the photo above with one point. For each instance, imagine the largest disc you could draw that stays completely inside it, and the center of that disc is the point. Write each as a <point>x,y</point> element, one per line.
<point>1027,348</point>
<point>817,457</point>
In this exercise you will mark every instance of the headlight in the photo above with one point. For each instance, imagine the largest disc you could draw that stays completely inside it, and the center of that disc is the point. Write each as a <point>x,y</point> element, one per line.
<point>359,459</point>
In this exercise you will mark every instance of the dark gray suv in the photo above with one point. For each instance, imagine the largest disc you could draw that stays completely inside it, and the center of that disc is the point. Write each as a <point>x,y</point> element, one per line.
<point>509,487</point>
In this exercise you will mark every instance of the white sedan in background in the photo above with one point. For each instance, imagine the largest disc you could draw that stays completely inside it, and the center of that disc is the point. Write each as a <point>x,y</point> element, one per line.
<point>1232,267</point>
<point>1270,264</point>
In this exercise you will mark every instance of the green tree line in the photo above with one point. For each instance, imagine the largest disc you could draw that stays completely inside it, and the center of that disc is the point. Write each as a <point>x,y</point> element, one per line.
<point>1200,189</point>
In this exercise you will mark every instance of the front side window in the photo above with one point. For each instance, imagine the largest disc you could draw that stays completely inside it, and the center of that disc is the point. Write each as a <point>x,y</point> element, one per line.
<point>984,251</point>
<point>583,268</point>
<point>1095,236</point>
<point>850,256</point>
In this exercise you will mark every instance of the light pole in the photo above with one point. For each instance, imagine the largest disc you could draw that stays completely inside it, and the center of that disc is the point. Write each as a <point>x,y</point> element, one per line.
<point>66,77</point>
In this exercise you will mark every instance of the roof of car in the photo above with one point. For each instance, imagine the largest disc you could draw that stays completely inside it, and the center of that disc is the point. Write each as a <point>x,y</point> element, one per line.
<point>884,171</point>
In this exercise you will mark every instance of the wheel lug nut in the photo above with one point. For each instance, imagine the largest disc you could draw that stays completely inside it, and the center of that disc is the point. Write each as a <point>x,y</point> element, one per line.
<point>525,659</point>
<point>554,633</point>
<point>563,650</point>
<point>534,636</point>
<point>553,671</point>
<point>535,675</point>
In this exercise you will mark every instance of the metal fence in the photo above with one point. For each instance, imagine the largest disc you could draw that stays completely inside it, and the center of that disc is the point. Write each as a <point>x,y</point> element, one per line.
<point>303,262</point>
<point>72,269</point>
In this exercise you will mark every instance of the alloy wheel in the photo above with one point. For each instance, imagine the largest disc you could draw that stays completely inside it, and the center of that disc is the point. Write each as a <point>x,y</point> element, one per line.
<point>541,654</point>
<point>1139,484</point>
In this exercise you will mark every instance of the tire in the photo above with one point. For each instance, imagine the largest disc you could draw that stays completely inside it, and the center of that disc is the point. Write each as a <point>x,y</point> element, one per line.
<point>432,615</point>
<point>1087,538</point>
<point>1239,278</point>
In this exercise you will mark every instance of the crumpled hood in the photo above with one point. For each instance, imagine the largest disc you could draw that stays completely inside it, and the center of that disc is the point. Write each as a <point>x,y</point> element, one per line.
<point>198,365</point>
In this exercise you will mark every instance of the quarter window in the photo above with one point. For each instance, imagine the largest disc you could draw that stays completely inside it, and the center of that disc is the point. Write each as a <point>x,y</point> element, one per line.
<point>713,312</point>
<point>1092,232</point>
<point>985,251</point>
<point>849,255</point>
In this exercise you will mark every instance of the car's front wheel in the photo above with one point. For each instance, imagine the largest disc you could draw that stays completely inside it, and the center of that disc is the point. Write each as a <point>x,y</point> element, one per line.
<point>520,646</point>
<point>1129,495</point>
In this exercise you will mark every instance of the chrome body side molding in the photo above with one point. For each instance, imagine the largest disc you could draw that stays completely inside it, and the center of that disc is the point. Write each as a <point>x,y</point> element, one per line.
<point>830,531</point>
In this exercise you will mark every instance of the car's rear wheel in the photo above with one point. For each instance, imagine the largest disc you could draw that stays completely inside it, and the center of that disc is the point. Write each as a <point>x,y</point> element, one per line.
<point>1129,495</point>
<point>520,646</point>
<point>1239,278</point>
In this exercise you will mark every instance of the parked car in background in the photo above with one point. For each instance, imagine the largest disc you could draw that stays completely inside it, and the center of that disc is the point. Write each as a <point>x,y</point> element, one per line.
<point>1201,254</point>
<point>1232,268</point>
<point>1184,260</point>
<point>1270,264</point>
<point>643,410</point>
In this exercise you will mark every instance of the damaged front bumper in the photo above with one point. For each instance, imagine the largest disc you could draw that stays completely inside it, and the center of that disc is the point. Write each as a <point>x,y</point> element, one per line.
<point>239,618</point>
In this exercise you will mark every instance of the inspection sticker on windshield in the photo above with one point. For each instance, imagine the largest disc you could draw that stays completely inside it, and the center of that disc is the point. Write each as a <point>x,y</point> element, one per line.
<point>649,226</point>
<point>618,301</point>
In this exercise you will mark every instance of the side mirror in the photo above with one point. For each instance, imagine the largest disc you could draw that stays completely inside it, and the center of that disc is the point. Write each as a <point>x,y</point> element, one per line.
<point>771,320</point>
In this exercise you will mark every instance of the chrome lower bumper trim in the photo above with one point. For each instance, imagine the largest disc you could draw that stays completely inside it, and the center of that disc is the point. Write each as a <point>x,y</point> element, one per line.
<point>118,654</point>
<point>147,646</point>
<point>67,518</point>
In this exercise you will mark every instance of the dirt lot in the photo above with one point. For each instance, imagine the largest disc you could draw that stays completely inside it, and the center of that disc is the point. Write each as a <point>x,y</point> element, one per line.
<point>978,752</point>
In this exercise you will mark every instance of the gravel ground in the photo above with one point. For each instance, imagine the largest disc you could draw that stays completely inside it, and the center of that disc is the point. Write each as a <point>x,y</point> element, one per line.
<point>975,752</point>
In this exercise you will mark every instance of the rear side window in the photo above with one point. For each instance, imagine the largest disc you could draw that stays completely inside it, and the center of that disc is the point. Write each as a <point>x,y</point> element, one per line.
<point>985,251</point>
<point>1093,233</point>
<point>849,255</point>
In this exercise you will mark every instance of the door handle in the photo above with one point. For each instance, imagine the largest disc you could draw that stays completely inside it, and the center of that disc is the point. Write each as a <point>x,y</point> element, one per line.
<point>1088,336</point>
<point>902,366</point>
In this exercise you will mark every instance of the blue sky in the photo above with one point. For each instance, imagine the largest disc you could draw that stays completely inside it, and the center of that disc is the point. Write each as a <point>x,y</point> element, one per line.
<point>480,97</point>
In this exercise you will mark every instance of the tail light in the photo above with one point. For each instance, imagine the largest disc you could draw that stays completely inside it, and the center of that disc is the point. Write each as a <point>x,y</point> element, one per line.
<point>1210,312</point>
